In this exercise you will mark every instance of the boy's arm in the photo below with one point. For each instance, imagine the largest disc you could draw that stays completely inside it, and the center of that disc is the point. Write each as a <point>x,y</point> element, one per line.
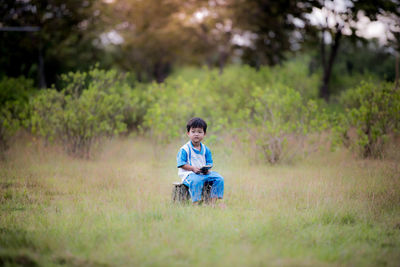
<point>182,162</point>
<point>188,167</point>
<point>209,160</point>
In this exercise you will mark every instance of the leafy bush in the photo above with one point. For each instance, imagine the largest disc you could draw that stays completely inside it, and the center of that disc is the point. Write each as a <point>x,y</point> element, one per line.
<point>14,97</point>
<point>293,73</point>
<point>278,122</point>
<point>373,111</point>
<point>47,113</point>
<point>237,100</point>
<point>92,105</point>
<point>172,104</point>
<point>96,104</point>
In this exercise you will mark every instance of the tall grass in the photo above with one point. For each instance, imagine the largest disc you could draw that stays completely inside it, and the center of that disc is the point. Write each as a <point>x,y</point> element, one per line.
<point>115,210</point>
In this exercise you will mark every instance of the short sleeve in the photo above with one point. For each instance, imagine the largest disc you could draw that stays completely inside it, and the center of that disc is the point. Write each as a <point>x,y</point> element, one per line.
<point>182,158</point>
<point>209,160</point>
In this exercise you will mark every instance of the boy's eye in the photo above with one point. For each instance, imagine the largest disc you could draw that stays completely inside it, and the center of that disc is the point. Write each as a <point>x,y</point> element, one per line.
<point>200,131</point>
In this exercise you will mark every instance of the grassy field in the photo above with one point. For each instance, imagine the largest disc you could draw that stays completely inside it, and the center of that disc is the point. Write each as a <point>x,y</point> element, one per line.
<point>115,210</point>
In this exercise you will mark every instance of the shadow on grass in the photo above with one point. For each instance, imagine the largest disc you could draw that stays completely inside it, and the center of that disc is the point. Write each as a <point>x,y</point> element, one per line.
<point>8,258</point>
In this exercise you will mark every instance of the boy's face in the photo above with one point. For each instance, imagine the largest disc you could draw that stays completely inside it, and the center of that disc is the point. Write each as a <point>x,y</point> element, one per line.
<point>196,135</point>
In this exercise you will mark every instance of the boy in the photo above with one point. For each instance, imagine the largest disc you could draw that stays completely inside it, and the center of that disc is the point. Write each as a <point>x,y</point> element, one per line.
<point>192,157</point>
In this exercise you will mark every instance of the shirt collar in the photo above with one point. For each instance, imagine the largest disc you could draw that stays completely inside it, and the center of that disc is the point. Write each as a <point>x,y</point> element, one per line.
<point>195,149</point>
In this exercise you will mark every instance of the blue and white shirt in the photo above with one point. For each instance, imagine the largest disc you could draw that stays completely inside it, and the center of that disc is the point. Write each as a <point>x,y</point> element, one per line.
<point>194,157</point>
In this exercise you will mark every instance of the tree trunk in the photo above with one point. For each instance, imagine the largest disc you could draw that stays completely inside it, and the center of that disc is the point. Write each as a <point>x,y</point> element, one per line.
<point>324,91</point>
<point>42,77</point>
<point>161,71</point>
<point>396,83</point>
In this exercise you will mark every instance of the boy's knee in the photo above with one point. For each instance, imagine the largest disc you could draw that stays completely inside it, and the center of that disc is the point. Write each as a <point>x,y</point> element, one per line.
<point>219,180</point>
<point>198,182</point>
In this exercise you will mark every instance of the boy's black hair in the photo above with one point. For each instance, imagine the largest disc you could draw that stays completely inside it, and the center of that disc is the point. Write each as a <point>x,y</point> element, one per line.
<point>196,123</point>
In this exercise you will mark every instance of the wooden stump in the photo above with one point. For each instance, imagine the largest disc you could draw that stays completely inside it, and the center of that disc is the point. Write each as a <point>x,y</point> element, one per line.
<point>180,193</point>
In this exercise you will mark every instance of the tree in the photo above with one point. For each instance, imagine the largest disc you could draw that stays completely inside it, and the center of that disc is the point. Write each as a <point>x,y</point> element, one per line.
<point>270,25</point>
<point>342,20</point>
<point>61,44</point>
<point>14,99</point>
<point>160,34</point>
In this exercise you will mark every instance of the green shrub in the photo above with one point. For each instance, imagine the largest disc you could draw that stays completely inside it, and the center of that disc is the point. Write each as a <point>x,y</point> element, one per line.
<point>279,122</point>
<point>171,105</point>
<point>47,113</point>
<point>237,100</point>
<point>14,97</point>
<point>91,106</point>
<point>373,111</point>
<point>293,73</point>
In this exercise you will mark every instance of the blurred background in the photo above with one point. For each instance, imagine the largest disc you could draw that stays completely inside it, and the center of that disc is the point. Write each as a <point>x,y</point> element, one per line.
<point>302,102</point>
<point>279,69</point>
<point>153,38</point>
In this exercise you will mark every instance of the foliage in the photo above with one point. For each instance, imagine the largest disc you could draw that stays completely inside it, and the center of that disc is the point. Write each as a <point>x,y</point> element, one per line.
<point>47,111</point>
<point>147,36</point>
<point>239,102</point>
<point>339,22</point>
<point>295,74</point>
<point>357,61</point>
<point>374,112</point>
<point>270,25</point>
<point>272,112</point>
<point>64,42</point>
<point>172,104</point>
<point>92,105</point>
<point>279,121</point>
<point>14,97</point>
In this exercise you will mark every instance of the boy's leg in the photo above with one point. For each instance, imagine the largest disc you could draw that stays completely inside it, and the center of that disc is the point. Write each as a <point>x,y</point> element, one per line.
<point>217,189</point>
<point>195,182</point>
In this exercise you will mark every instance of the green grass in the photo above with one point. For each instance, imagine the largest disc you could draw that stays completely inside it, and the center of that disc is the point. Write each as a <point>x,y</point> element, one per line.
<point>330,209</point>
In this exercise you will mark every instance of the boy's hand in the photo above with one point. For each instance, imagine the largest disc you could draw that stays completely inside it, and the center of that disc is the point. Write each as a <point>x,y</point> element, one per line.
<point>204,171</point>
<point>195,169</point>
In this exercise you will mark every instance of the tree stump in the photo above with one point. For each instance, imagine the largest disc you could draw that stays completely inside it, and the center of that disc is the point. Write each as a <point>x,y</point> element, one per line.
<point>180,193</point>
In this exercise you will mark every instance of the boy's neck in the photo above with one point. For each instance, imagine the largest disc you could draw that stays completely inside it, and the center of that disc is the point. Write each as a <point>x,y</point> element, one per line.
<point>197,146</point>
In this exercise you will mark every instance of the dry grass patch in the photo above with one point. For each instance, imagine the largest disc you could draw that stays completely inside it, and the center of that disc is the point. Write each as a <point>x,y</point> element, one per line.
<point>330,209</point>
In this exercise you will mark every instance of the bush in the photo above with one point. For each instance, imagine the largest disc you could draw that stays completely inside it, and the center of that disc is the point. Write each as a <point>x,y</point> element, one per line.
<point>47,113</point>
<point>373,111</point>
<point>14,97</point>
<point>172,104</point>
<point>292,73</point>
<point>279,121</point>
<point>92,105</point>
<point>237,100</point>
